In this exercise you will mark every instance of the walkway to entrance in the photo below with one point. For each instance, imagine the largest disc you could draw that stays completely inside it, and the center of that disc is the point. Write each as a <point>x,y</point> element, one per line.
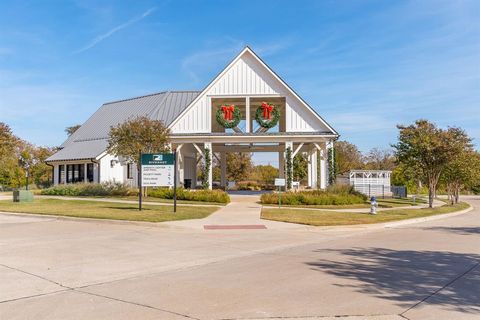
<point>243,212</point>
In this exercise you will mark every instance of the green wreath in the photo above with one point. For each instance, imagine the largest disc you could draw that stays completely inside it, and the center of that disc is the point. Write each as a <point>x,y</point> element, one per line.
<point>236,116</point>
<point>274,116</point>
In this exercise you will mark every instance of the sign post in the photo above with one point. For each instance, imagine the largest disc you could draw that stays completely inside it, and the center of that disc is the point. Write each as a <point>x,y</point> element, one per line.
<point>140,182</point>
<point>175,180</point>
<point>158,170</point>
<point>279,182</point>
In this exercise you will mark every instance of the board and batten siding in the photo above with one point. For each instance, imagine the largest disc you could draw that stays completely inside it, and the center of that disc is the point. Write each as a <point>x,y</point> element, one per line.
<point>247,77</point>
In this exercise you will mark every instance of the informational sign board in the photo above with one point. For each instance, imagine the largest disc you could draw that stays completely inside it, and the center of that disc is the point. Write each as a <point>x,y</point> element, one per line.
<point>158,169</point>
<point>279,182</point>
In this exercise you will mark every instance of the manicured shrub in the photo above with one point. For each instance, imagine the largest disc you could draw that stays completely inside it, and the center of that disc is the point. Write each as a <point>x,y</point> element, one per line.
<point>90,189</point>
<point>334,195</point>
<point>203,195</point>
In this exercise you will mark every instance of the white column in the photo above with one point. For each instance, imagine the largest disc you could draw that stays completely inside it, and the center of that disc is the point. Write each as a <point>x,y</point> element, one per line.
<point>85,173</point>
<point>208,145</point>
<point>223,169</point>
<point>314,168</point>
<point>180,168</point>
<point>310,169</point>
<point>247,115</point>
<point>96,176</point>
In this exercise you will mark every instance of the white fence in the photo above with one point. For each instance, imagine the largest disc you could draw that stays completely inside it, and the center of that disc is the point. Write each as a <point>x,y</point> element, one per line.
<point>371,182</point>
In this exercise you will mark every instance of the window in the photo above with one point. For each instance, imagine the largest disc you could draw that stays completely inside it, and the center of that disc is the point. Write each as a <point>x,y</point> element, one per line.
<point>129,171</point>
<point>61,174</point>
<point>69,173</point>
<point>90,172</point>
<point>75,173</point>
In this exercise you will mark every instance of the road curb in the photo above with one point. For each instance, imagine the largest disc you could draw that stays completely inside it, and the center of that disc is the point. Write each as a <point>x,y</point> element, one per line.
<point>383,225</point>
<point>425,219</point>
<point>166,225</point>
<point>88,220</point>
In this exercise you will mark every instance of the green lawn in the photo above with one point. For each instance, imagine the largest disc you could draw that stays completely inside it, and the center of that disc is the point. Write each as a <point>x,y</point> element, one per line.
<point>332,218</point>
<point>382,203</point>
<point>106,210</point>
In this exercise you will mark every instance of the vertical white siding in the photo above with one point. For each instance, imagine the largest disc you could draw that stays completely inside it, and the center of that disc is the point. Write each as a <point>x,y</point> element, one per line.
<point>247,76</point>
<point>107,173</point>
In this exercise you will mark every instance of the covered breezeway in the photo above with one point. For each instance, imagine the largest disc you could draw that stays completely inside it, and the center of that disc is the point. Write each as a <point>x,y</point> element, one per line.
<point>192,149</point>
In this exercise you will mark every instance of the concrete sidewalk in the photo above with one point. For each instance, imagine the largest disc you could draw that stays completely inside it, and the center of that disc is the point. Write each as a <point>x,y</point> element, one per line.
<point>243,210</point>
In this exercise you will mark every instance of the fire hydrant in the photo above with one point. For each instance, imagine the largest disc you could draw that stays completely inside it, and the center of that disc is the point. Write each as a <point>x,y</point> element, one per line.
<point>373,205</point>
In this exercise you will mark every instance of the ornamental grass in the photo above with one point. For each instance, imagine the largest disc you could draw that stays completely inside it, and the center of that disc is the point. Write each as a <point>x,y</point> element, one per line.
<point>205,195</point>
<point>90,189</point>
<point>334,195</point>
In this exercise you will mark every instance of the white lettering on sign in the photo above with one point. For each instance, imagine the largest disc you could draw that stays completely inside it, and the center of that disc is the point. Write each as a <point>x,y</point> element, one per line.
<point>157,175</point>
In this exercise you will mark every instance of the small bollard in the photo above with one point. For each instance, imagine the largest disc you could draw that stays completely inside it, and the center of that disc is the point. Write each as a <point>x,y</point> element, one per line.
<point>414,198</point>
<point>373,205</point>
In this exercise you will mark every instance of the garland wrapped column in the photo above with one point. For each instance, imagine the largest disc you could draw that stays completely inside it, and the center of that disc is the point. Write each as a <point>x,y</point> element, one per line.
<point>207,170</point>
<point>288,164</point>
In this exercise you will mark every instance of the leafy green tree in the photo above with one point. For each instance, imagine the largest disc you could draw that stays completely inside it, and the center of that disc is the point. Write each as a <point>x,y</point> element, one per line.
<point>41,172</point>
<point>8,141</point>
<point>138,135</point>
<point>347,157</point>
<point>424,146</point>
<point>71,130</point>
<point>378,159</point>
<point>266,173</point>
<point>462,172</point>
<point>239,165</point>
<point>9,145</point>
<point>300,167</point>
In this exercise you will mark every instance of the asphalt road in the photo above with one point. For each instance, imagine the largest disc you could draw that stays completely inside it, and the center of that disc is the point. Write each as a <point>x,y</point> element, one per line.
<point>57,269</point>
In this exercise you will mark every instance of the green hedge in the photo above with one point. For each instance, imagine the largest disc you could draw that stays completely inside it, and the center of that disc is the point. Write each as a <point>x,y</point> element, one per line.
<point>192,195</point>
<point>90,189</point>
<point>334,195</point>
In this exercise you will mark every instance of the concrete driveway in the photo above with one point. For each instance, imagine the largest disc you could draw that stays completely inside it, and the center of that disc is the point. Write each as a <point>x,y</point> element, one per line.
<point>57,269</point>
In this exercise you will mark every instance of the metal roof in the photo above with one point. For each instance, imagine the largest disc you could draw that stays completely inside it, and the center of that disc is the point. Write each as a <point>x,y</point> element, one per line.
<point>80,150</point>
<point>165,106</point>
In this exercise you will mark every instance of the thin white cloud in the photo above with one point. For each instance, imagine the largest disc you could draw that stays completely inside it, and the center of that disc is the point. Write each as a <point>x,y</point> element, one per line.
<point>104,36</point>
<point>206,59</point>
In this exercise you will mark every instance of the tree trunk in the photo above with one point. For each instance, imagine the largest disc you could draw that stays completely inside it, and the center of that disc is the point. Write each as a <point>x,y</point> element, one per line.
<point>457,194</point>
<point>431,192</point>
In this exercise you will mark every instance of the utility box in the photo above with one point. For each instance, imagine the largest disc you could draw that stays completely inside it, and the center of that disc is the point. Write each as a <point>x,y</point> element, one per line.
<point>22,196</point>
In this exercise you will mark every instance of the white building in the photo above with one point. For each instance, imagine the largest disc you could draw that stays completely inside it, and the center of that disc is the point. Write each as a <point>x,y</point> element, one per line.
<point>245,83</point>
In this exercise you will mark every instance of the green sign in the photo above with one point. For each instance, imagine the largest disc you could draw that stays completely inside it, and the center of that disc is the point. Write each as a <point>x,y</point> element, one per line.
<point>158,169</point>
<point>158,159</point>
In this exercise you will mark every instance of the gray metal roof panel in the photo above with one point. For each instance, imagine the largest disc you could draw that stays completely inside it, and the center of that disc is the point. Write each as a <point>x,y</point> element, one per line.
<point>164,106</point>
<point>80,150</point>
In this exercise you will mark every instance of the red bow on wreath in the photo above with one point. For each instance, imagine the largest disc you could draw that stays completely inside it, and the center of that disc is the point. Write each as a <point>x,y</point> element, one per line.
<point>228,112</point>
<point>267,110</point>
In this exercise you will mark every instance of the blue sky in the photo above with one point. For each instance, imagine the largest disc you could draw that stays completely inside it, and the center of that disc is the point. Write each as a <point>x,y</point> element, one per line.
<point>364,65</point>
